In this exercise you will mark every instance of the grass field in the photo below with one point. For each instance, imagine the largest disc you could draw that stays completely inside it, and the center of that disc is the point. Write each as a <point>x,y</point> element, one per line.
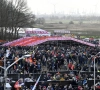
<point>86,28</point>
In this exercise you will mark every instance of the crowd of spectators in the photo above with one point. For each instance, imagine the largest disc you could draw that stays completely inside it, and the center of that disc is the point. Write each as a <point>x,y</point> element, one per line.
<point>53,58</point>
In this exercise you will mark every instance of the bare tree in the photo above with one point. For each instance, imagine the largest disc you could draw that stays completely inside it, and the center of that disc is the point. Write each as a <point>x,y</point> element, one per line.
<point>13,16</point>
<point>2,18</point>
<point>21,16</point>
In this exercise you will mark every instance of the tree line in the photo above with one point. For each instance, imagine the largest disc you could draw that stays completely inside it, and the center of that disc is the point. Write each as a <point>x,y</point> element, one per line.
<point>14,14</point>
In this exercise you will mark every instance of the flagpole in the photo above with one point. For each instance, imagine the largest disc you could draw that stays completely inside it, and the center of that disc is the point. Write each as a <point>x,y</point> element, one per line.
<point>36,82</point>
<point>5,74</point>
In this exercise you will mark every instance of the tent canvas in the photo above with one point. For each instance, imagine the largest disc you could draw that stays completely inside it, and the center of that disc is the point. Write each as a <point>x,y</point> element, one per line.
<point>37,31</point>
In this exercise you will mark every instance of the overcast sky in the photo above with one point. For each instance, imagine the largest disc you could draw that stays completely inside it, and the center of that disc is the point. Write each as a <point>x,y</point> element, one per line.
<point>77,7</point>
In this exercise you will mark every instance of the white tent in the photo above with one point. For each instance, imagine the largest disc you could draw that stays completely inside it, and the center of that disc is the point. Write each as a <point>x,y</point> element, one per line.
<point>62,31</point>
<point>22,32</point>
<point>37,31</point>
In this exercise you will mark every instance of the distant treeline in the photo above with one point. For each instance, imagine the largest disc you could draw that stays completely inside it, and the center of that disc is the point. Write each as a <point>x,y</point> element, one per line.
<point>72,17</point>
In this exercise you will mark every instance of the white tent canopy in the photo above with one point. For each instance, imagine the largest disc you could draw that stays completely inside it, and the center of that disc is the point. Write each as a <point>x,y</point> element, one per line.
<point>62,31</point>
<point>35,31</point>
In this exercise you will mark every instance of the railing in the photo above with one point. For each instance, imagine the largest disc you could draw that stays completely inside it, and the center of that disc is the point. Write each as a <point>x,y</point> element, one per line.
<point>36,75</point>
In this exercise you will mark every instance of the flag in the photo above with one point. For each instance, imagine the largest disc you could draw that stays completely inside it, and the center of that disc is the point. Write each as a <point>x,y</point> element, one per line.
<point>8,85</point>
<point>84,82</point>
<point>7,52</point>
